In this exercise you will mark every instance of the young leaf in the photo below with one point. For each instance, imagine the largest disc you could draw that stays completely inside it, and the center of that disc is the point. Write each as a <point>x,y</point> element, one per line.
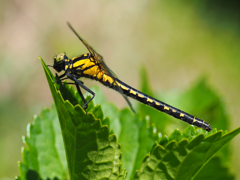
<point>91,152</point>
<point>183,158</point>
<point>44,155</point>
<point>136,140</point>
<point>136,134</point>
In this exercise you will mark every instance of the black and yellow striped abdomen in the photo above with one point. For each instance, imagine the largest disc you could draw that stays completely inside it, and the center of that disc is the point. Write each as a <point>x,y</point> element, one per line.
<point>159,105</point>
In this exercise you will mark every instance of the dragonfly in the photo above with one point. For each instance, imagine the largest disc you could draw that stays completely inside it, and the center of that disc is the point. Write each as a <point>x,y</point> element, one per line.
<point>91,65</point>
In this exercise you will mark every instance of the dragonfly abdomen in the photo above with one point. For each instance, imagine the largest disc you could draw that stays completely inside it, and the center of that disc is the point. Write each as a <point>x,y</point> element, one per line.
<point>159,105</point>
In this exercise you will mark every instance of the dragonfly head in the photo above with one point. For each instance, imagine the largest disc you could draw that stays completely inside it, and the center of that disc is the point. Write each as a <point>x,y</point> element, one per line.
<point>59,62</point>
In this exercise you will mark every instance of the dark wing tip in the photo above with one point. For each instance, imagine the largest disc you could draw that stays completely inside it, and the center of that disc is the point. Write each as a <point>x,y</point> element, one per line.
<point>68,23</point>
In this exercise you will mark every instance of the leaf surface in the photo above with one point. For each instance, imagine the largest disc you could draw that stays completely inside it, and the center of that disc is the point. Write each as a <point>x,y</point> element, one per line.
<point>92,153</point>
<point>184,157</point>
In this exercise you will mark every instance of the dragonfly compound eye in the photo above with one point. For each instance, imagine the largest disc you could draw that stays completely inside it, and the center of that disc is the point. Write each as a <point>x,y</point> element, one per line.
<point>60,57</point>
<point>59,62</point>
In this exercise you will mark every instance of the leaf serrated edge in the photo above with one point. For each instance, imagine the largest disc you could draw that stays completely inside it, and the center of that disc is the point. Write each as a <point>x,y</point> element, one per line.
<point>77,107</point>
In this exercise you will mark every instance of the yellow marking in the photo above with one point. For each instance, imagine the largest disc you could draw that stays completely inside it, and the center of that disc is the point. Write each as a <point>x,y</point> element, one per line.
<point>166,108</point>
<point>140,95</point>
<point>99,75</point>
<point>94,71</point>
<point>79,63</point>
<point>181,115</point>
<point>117,83</point>
<point>194,120</point>
<point>203,122</point>
<point>110,80</point>
<point>124,87</point>
<point>133,92</point>
<point>149,100</point>
<point>68,67</point>
<point>157,103</point>
<point>173,111</point>
<point>105,77</point>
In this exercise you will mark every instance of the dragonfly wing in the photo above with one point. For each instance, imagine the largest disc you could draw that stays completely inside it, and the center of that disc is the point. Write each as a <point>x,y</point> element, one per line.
<point>114,76</point>
<point>107,70</point>
<point>90,49</point>
<point>129,103</point>
<point>96,56</point>
<point>101,63</point>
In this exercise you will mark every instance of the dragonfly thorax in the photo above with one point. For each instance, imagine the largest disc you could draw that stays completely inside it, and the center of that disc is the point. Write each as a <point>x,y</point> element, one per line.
<point>59,62</point>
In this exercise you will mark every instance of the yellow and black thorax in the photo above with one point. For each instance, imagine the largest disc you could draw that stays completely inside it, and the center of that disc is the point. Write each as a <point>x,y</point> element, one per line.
<point>86,66</point>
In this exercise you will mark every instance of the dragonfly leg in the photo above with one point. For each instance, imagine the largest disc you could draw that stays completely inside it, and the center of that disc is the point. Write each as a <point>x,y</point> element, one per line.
<point>60,80</point>
<point>87,89</point>
<point>80,93</point>
<point>61,76</point>
<point>70,76</point>
<point>72,83</point>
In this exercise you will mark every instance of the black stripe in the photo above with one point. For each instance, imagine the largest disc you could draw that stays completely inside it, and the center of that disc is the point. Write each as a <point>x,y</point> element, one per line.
<point>79,58</point>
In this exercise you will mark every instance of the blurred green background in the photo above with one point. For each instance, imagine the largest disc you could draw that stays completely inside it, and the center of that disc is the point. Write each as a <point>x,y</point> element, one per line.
<point>177,42</point>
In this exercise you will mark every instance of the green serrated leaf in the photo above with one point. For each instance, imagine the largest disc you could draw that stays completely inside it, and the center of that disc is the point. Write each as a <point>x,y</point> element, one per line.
<point>136,134</point>
<point>109,109</point>
<point>183,159</point>
<point>136,139</point>
<point>206,104</point>
<point>91,152</point>
<point>44,152</point>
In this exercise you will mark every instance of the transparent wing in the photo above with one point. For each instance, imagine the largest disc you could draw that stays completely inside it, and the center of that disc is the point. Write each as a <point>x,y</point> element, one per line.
<point>99,60</point>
